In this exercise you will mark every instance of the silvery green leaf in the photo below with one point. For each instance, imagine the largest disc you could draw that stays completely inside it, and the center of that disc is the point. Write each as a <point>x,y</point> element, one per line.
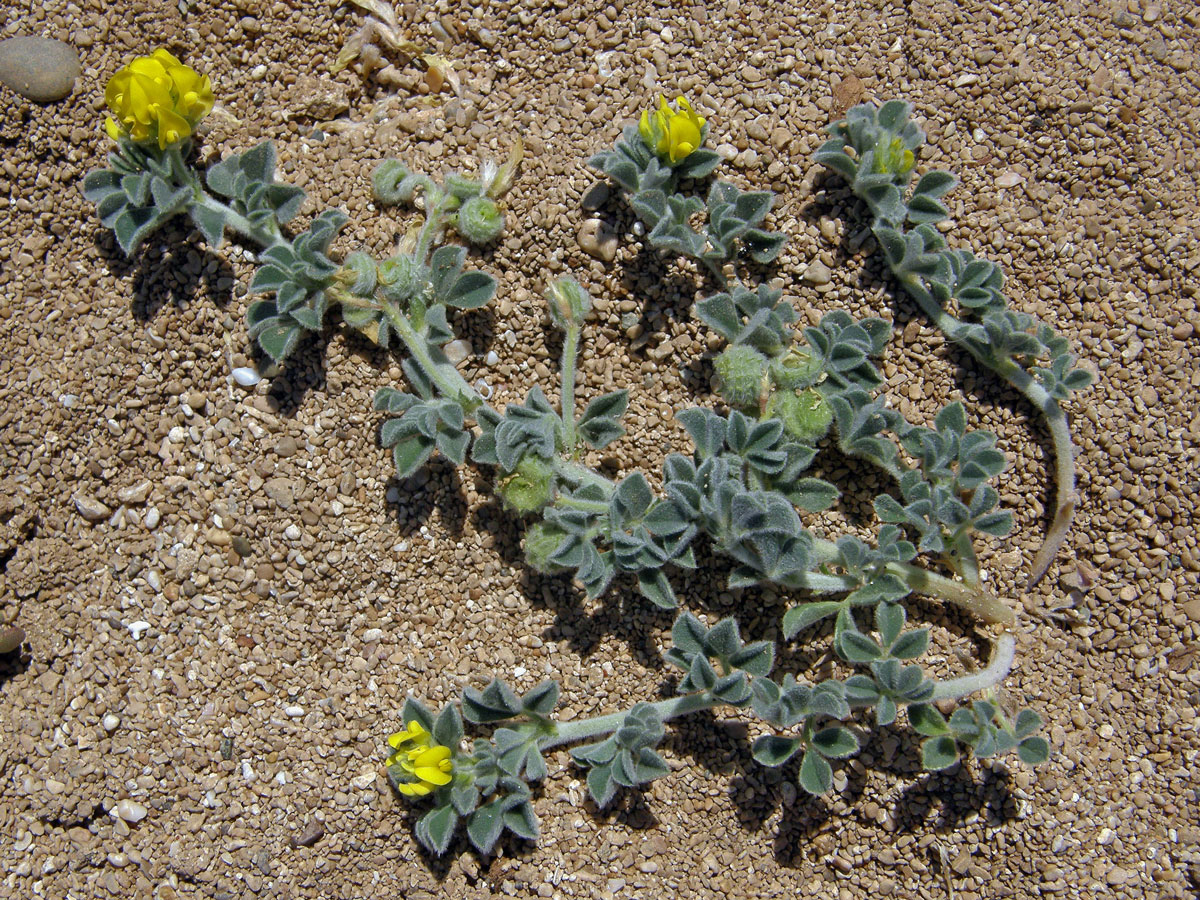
<point>723,640</point>
<point>925,719</point>
<point>278,341</point>
<point>801,617</point>
<point>495,703</point>
<point>655,587</point>
<point>1033,751</point>
<point>813,494</point>
<point>834,742</point>
<point>701,676</point>
<point>210,222</point>
<point>719,313</point>
<point>445,264</point>
<point>464,798</point>
<point>861,690</point>
<point>856,647</point>
<point>448,727</point>
<point>816,775</point>
<point>412,453</point>
<point>606,406</point>
<point>938,753</point>
<point>889,621</point>
<point>700,163</point>
<point>521,821</point>
<point>133,225</point>
<point>893,115</point>
<point>485,825</point>
<point>436,828</point>
<point>650,206</point>
<point>911,644</point>
<point>935,183</point>
<point>1027,723</point>
<point>764,246</point>
<point>601,785</point>
<point>688,634</point>
<point>416,711</point>
<point>542,699</point>
<point>774,750</point>
<point>472,290</point>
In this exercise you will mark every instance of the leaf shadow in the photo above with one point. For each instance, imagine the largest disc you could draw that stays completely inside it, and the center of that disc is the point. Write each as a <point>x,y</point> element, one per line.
<point>175,267</point>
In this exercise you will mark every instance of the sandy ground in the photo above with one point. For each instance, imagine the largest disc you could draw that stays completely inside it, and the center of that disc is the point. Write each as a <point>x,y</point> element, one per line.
<point>230,648</point>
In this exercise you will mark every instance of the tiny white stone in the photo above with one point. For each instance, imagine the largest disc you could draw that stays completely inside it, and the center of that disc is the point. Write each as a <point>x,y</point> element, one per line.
<point>70,401</point>
<point>966,80</point>
<point>293,712</point>
<point>153,579</point>
<point>492,358</point>
<point>362,782</point>
<point>248,771</point>
<point>281,778</point>
<point>137,629</point>
<point>292,532</point>
<point>130,811</point>
<point>457,351</point>
<point>110,722</point>
<point>337,507</point>
<point>518,671</point>
<point>258,71</point>
<point>246,377</point>
<point>371,635</point>
<point>177,434</point>
<point>152,517</point>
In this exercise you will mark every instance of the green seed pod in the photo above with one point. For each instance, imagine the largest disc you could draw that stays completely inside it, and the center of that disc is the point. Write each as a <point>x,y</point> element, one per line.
<point>805,416</point>
<point>360,274</point>
<point>541,540</point>
<point>795,369</point>
<point>528,488</point>
<point>399,277</point>
<point>386,181</point>
<point>460,187</point>
<point>741,371</point>
<point>480,221</point>
<point>569,303</point>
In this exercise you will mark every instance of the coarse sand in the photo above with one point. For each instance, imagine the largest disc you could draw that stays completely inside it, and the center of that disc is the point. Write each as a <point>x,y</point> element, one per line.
<point>228,595</point>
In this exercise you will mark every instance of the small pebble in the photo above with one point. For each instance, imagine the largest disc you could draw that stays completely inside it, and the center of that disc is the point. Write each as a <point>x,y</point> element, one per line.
<point>38,68</point>
<point>597,239</point>
<point>91,508</point>
<point>595,197</point>
<point>152,518</point>
<point>309,834</point>
<point>286,446</point>
<point>457,351</point>
<point>135,494</point>
<point>492,358</point>
<point>137,629</point>
<point>293,712</point>
<point>246,377</point>
<point>11,638</point>
<point>817,273</point>
<point>111,722</point>
<point>292,532</point>
<point>131,811</point>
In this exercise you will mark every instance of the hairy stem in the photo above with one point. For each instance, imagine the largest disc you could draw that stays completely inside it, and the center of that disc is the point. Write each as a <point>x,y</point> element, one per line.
<point>1056,419</point>
<point>570,352</point>
<point>441,373</point>
<point>1003,653</point>
<point>267,235</point>
<point>581,729</point>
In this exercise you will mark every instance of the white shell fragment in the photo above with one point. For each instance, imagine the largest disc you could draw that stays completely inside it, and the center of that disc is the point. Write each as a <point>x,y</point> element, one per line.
<point>246,377</point>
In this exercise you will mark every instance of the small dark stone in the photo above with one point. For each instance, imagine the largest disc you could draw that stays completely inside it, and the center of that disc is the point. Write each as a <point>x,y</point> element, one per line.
<point>241,546</point>
<point>227,748</point>
<point>309,834</point>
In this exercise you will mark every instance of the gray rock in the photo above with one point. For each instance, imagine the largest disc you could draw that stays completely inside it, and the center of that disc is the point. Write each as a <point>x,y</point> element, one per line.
<point>11,637</point>
<point>309,835</point>
<point>37,68</point>
<point>598,239</point>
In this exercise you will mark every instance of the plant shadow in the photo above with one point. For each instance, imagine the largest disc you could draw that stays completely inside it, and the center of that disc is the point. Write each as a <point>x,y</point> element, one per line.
<point>176,267</point>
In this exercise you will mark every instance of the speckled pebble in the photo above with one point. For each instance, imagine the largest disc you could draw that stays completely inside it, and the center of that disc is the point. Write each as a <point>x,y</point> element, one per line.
<point>38,68</point>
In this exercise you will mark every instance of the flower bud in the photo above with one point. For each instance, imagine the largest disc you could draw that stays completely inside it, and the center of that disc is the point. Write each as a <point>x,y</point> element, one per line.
<point>528,488</point>
<point>805,416</point>
<point>400,277</point>
<point>569,303</point>
<point>795,369</point>
<point>358,274</point>
<point>480,221</point>
<point>541,540</point>
<point>741,371</point>
<point>386,181</point>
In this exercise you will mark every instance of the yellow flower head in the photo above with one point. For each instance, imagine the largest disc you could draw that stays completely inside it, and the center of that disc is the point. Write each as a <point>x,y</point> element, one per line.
<point>430,765</point>
<point>157,98</point>
<point>892,157</point>
<point>413,736</point>
<point>672,133</point>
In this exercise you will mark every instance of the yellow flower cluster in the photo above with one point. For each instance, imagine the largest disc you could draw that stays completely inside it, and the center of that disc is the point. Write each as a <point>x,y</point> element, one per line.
<point>672,133</point>
<point>157,98</point>
<point>417,755</point>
